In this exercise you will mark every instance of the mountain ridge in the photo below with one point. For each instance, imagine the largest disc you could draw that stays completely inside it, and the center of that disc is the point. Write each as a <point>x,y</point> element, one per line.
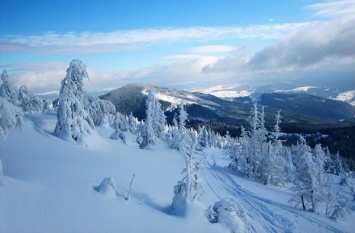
<point>298,110</point>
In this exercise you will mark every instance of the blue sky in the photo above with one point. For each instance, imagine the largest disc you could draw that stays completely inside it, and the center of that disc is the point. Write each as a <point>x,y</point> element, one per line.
<point>181,44</point>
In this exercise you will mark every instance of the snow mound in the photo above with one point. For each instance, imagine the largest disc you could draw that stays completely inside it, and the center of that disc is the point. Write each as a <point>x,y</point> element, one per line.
<point>179,199</point>
<point>107,187</point>
<point>44,121</point>
<point>230,213</point>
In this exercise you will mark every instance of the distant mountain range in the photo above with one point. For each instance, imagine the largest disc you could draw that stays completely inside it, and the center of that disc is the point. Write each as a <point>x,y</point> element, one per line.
<point>302,111</point>
<point>230,91</point>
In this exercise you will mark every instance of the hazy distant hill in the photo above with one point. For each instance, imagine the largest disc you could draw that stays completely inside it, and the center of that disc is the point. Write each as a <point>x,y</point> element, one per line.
<point>297,110</point>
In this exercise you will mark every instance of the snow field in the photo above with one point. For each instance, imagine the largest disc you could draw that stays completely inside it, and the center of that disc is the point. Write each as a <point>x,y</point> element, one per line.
<point>51,185</point>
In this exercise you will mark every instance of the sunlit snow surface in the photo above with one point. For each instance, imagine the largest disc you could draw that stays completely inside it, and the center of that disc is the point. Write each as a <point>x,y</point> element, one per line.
<point>348,96</point>
<point>52,186</point>
<point>297,89</point>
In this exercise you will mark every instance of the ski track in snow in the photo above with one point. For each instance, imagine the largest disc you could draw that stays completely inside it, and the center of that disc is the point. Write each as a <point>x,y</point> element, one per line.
<point>264,214</point>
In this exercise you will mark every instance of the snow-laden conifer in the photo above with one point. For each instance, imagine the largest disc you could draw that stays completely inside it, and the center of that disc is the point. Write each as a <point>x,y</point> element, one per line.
<point>120,127</point>
<point>146,135</point>
<point>132,124</point>
<point>74,122</point>
<point>307,182</point>
<point>190,187</point>
<point>154,124</point>
<point>29,102</point>
<point>158,117</point>
<point>101,111</point>
<point>6,90</point>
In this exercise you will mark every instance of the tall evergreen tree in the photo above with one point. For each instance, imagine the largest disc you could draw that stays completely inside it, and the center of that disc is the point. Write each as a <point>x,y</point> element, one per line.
<point>308,180</point>
<point>190,187</point>
<point>6,90</point>
<point>146,135</point>
<point>132,124</point>
<point>74,122</point>
<point>157,115</point>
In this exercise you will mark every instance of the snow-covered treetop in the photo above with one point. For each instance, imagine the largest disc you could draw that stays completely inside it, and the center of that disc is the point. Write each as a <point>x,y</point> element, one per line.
<point>4,76</point>
<point>75,75</point>
<point>6,91</point>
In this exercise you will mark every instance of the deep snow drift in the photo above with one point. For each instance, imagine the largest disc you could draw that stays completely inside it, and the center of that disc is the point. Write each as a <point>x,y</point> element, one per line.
<point>51,185</point>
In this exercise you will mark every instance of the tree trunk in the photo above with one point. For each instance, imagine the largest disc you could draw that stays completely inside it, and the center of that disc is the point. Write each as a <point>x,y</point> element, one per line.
<point>188,178</point>
<point>303,205</point>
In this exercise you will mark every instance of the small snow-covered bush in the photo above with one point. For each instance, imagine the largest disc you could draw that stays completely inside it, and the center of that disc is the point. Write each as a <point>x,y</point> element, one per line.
<point>179,199</point>
<point>10,116</point>
<point>108,187</point>
<point>230,213</point>
<point>118,134</point>
<point>340,211</point>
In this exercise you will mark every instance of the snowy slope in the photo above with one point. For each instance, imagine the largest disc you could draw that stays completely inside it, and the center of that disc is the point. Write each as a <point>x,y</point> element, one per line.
<point>51,186</point>
<point>348,96</point>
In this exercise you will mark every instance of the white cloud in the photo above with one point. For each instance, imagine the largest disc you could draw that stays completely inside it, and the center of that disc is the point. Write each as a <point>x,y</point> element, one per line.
<point>71,42</point>
<point>313,45</point>
<point>337,9</point>
<point>212,49</point>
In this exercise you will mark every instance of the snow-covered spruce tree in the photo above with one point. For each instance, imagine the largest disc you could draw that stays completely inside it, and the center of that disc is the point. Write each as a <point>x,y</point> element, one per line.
<point>258,138</point>
<point>132,124</point>
<point>212,141</point>
<point>255,154</point>
<point>29,102</point>
<point>238,151</point>
<point>290,168</point>
<point>11,116</point>
<point>74,123</point>
<point>146,134</point>
<point>340,171</point>
<point>173,137</point>
<point>328,162</point>
<point>157,115</point>
<point>154,125</point>
<point>319,157</point>
<point>190,187</point>
<point>6,90</point>
<point>121,126</point>
<point>204,140</point>
<point>308,180</point>
<point>274,160</point>
<point>25,99</point>
<point>277,125</point>
<point>102,112</point>
<point>37,103</point>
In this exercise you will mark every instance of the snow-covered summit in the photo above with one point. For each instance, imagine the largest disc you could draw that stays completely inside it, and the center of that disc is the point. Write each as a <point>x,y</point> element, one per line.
<point>348,96</point>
